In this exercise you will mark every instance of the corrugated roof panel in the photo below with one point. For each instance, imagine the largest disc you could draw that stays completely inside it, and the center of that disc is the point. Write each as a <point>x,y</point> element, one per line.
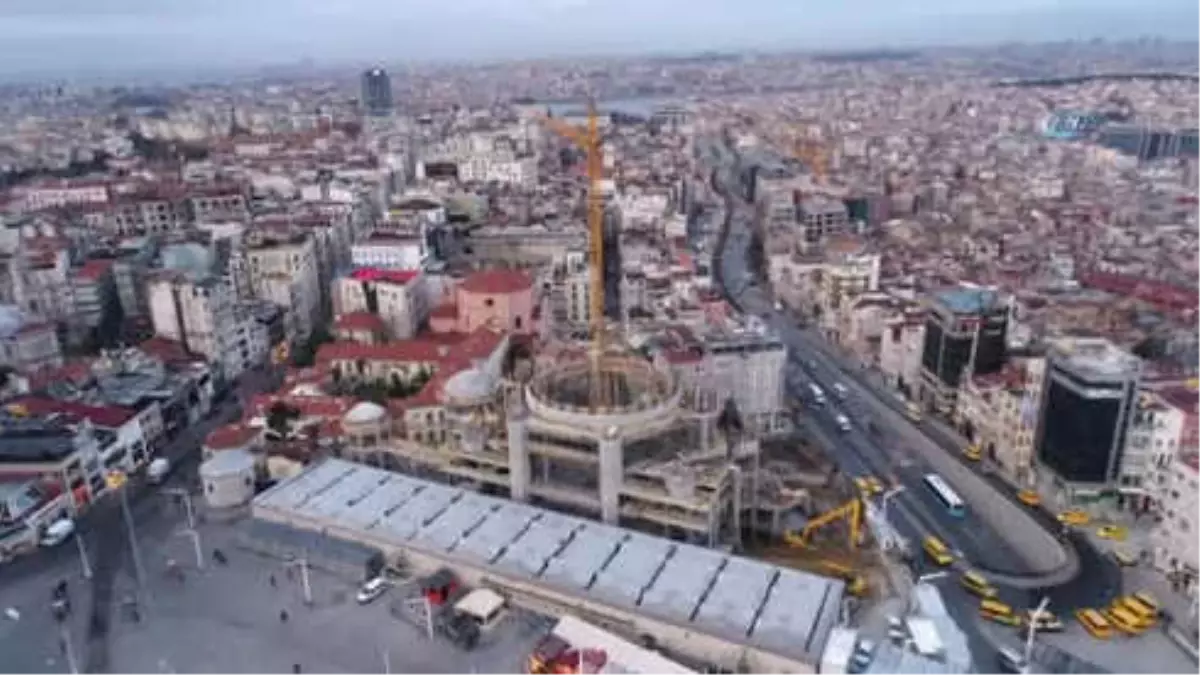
<point>497,532</point>
<point>736,596</point>
<point>683,582</point>
<point>632,569</point>
<point>545,536</point>
<point>406,522</point>
<point>577,565</point>
<point>448,528</point>
<point>791,617</point>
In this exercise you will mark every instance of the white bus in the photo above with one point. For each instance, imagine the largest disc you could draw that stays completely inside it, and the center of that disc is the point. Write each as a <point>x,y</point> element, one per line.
<point>950,499</point>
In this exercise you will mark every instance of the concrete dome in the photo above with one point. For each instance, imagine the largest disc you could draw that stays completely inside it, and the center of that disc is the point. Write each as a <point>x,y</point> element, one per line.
<point>365,412</point>
<point>471,384</point>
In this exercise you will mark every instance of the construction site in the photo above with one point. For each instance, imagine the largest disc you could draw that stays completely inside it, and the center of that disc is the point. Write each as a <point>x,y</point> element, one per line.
<point>596,429</point>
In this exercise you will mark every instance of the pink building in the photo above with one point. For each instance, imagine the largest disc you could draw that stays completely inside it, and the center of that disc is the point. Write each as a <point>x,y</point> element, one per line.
<point>497,299</point>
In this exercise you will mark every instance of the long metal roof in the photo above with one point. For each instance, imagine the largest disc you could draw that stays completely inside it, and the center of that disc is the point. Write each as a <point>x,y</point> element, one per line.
<point>779,610</point>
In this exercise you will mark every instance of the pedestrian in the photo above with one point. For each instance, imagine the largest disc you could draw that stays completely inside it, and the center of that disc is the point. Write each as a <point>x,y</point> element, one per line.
<point>283,616</point>
<point>274,583</point>
<point>296,668</point>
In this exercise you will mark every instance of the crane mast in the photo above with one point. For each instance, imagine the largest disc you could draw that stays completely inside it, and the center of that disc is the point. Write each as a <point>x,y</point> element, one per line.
<point>590,141</point>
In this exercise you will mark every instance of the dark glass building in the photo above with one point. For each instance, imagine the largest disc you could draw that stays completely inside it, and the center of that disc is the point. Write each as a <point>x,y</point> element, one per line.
<point>1089,396</point>
<point>965,335</point>
<point>376,96</point>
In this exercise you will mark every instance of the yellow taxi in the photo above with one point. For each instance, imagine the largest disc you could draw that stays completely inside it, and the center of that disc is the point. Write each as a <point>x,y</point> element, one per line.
<point>1114,532</point>
<point>997,611</point>
<point>979,585</point>
<point>937,551</point>
<point>973,453</point>
<point>1029,498</point>
<point>1076,518</point>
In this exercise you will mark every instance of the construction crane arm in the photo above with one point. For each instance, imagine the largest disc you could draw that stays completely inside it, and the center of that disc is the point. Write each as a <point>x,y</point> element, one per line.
<point>571,133</point>
<point>851,510</point>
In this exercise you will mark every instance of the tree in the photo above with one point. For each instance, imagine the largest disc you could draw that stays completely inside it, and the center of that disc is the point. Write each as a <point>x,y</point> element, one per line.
<point>280,418</point>
<point>306,354</point>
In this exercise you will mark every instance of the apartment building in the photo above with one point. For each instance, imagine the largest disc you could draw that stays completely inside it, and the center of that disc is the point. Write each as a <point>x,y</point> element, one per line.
<point>399,298</point>
<point>25,344</point>
<point>205,317</point>
<point>283,269</point>
<point>1174,545</point>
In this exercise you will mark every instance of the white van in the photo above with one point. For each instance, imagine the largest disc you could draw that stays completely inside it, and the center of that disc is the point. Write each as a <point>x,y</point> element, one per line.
<point>58,532</point>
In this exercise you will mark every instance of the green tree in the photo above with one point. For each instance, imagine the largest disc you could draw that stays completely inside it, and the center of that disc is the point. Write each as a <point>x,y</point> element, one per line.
<point>280,417</point>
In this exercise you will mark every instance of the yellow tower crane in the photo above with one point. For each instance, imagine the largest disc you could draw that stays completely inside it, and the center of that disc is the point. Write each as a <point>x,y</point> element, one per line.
<point>589,139</point>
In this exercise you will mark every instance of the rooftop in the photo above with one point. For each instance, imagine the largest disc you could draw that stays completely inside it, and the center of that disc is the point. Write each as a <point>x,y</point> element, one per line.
<point>389,276</point>
<point>1095,356</point>
<point>780,610</point>
<point>969,300</point>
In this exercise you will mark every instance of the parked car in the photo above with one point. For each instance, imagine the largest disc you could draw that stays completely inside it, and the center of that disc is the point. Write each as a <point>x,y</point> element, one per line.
<point>58,532</point>
<point>371,590</point>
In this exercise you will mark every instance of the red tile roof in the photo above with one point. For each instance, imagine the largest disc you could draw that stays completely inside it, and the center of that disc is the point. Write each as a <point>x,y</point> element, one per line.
<point>108,416</point>
<point>231,436</point>
<point>497,282</point>
<point>386,276</point>
<point>1181,397</point>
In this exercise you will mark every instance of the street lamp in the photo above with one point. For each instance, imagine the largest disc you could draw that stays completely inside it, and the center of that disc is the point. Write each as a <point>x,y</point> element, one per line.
<point>187,504</point>
<point>83,556</point>
<point>119,481</point>
<point>887,498</point>
<point>302,563</point>
<point>195,537</point>
<point>1034,618</point>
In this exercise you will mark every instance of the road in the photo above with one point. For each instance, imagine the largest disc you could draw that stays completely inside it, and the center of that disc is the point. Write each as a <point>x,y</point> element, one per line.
<point>997,535</point>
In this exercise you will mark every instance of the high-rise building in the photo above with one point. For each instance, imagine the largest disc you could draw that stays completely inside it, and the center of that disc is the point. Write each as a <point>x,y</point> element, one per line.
<point>1089,396</point>
<point>376,93</point>
<point>965,334</point>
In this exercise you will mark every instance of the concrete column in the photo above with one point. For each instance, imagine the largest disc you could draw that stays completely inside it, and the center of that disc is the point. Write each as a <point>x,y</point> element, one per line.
<point>612,475</point>
<point>518,456</point>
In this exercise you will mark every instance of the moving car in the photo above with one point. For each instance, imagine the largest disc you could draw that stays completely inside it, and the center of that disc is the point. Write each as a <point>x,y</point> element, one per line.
<point>840,391</point>
<point>1114,532</point>
<point>1124,558</point>
<point>843,423</point>
<point>1029,498</point>
<point>973,453</point>
<point>913,412</point>
<point>937,551</point>
<point>994,610</point>
<point>371,590</point>
<point>1076,518</point>
<point>976,583</point>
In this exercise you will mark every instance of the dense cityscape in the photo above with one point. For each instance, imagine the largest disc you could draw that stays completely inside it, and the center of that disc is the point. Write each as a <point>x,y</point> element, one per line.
<point>874,362</point>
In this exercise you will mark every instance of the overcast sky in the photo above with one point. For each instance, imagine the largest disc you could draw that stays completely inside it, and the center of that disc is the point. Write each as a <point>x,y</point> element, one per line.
<point>112,35</point>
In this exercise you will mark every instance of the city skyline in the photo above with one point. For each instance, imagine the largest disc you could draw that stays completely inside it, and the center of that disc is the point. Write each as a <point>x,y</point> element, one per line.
<point>71,37</point>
